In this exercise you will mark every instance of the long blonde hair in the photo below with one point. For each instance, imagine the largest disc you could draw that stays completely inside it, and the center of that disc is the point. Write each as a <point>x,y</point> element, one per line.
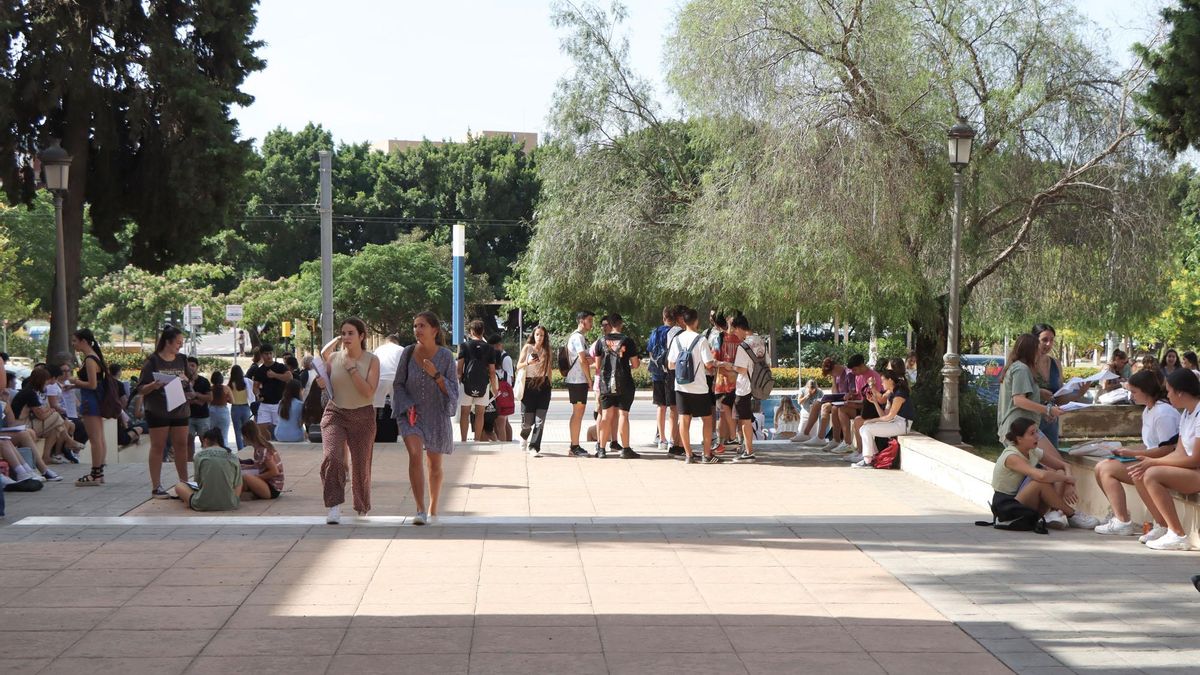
<point>787,412</point>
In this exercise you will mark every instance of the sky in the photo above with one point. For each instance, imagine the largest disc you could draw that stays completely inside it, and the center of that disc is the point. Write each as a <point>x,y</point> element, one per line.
<point>370,70</point>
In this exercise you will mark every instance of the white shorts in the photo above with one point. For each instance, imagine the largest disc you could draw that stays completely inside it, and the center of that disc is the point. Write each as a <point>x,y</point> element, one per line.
<point>465,401</point>
<point>268,413</point>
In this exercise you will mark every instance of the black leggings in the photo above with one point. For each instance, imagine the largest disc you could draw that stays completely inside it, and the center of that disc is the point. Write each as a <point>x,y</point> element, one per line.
<point>534,405</point>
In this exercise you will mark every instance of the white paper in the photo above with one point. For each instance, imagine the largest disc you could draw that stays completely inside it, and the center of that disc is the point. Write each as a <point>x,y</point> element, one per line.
<point>319,365</point>
<point>1103,375</point>
<point>15,428</point>
<point>1069,387</point>
<point>164,377</point>
<point>174,392</point>
<point>1074,405</point>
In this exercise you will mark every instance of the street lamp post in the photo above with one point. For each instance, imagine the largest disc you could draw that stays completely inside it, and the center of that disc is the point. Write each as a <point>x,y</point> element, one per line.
<point>56,164</point>
<point>961,137</point>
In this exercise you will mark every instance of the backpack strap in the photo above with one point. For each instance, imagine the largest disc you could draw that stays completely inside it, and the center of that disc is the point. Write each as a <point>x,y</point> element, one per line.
<point>405,357</point>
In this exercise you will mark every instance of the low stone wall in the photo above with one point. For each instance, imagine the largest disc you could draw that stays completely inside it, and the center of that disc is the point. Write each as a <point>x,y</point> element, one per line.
<point>1102,421</point>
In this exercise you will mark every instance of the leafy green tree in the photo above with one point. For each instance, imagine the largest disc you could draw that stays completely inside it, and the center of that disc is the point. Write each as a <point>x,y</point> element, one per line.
<point>140,94</point>
<point>1172,99</point>
<point>139,300</point>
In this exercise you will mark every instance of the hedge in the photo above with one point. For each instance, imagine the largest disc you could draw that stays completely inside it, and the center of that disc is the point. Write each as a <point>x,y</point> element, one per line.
<point>132,363</point>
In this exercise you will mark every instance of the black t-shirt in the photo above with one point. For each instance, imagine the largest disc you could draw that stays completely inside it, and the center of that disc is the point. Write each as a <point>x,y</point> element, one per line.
<point>270,389</point>
<point>626,349</point>
<point>477,355</point>
<point>907,411</point>
<point>201,386</point>
<point>25,398</point>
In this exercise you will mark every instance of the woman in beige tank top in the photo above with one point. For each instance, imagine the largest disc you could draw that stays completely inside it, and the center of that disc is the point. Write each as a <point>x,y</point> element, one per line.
<point>349,419</point>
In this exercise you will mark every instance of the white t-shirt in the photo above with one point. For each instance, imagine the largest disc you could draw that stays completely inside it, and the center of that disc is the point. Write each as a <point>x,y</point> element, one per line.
<point>504,371</point>
<point>52,389</point>
<point>701,356</point>
<point>1160,424</point>
<point>576,348</point>
<point>388,354</point>
<point>743,360</point>
<point>1188,430</point>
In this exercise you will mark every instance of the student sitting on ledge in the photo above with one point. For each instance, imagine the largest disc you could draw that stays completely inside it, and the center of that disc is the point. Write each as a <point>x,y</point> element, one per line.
<point>1160,433</point>
<point>1019,475</point>
<point>218,477</point>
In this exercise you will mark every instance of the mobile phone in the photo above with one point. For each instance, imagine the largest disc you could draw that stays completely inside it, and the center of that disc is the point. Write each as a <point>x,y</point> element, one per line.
<point>534,356</point>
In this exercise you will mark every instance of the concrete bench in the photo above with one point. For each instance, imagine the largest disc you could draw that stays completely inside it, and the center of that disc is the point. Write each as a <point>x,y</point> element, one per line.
<point>1102,421</point>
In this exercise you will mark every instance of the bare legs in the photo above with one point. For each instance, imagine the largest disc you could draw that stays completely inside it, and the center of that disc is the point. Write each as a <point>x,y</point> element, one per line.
<point>1159,482</point>
<point>158,443</point>
<point>95,433</point>
<point>416,474</point>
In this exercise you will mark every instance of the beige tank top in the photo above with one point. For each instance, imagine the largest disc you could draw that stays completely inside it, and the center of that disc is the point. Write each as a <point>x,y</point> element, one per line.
<point>345,394</point>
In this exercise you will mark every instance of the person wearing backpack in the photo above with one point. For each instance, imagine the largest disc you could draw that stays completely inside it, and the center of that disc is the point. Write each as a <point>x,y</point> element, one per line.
<point>505,403</point>
<point>663,381</point>
<point>896,413</point>
<point>477,378</point>
<point>689,359</point>
<point>749,363</point>
<point>618,357</point>
<point>575,365</point>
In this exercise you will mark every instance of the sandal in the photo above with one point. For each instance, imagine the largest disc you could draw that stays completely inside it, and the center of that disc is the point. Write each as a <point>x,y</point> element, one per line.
<point>96,477</point>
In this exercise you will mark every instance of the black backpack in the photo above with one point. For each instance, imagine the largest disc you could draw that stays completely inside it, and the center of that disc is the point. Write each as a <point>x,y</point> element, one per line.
<point>476,376</point>
<point>610,367</point>
<point>565,364</point>
<point>1010,514</point>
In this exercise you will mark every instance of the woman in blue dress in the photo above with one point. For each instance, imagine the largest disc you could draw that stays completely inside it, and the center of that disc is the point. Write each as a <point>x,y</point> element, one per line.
<point>424,398</point>
<point>1048,375</point>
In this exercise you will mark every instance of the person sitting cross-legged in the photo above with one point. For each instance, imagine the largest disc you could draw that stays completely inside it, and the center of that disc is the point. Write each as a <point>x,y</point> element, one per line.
<point>1020,474</point>
<point>218,485</point>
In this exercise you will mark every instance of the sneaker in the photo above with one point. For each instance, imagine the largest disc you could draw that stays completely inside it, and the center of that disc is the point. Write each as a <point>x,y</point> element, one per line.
<point>1117,527</point>
<point>1170,542</point>
<point>856,457</point>
<point>524,443</point>
<point>711,459</point>
<point>614,446</point>
<point>1055,520</point>
<point>1154,533</point>
<point>535,452</point>
<point>815,441</point>
<point>800,438</point>
<point>676,451</point>
<point>577,451</point>
<point>420,518</point>
<point>846,449</point>
<point>5,481</point>
<point>862,464</point>
<point>51,476</point>
<point>691,459</point>
<point>628,453</point>
<point>746,457</point>
<point>70,457</point>
<point>601,453</point>
<point>1083,521</point>
<point>828,447</point>
<point>57,459</point>
<point>334,516</point>
<point>159,493</point>
<point>431,520</point>
<point>664,447</point>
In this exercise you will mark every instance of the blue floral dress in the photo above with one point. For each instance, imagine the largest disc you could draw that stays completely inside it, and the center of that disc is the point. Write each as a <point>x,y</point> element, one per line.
<point>414,388</point>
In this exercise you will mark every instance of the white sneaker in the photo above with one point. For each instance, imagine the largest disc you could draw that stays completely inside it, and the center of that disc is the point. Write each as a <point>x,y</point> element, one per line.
<point>420,518</point>
<point>664,447</point>
<point>1154,533</point>
<point>524,443</point>
<point>334,516</point>
<point>862,464</point>
<point>534,452</point>
<point>815,442</point>
<point>431,520</point>
<point>50,476</point>
<point>1118,528</point>
<point>5,480</point>
<point>1083,521</point>
<point>800,438</point>
<point>1055,520</point>
<point>856,457</point>
<point>1170,542</point>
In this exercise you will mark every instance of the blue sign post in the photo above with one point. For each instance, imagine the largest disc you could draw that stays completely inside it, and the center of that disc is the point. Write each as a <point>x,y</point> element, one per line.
<point>460,281</point>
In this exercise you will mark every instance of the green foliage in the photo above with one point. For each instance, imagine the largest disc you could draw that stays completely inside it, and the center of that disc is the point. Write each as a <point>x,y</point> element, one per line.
<point>1171,101</point>
<point>131,363</point>
<point>24,346</point>
<point>139,300</point>
<point>814,352</point>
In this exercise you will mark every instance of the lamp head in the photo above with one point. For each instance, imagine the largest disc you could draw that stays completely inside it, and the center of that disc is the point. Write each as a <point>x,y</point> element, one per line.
<point>961,137</point>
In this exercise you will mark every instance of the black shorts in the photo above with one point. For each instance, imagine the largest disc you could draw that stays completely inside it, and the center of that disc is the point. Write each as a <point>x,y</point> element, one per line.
<point>712,392</point>
<point>727,399</point>
<point>743,407</point>
<point>156,422</point>
<point>664,393</point>
<point>274,491</point>
<point>694,405</point>
<point>622,401</point>
<point>578,393</point>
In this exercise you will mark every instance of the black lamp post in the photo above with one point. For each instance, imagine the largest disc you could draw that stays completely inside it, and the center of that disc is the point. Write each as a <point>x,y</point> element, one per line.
<point>56,166</point>
<point>961,137</point>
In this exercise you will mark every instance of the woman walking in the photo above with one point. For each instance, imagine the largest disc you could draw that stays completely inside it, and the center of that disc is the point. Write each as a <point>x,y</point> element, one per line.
<point>91,383</point>
<point>239,397</point>
<point>349,419</point>
<point>218,407</point>
<point>425,397</point>
<point>165,423</point>
<point>535,402</point>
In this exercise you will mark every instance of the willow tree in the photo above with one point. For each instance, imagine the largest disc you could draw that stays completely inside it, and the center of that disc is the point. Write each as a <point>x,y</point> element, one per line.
<point>851,185</point>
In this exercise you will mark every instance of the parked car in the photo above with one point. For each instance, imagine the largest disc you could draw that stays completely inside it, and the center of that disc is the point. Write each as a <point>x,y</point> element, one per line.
<point>983,373</point>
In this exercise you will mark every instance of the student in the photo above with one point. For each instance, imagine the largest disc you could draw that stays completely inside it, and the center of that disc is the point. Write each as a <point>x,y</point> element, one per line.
<point>1020,395</point>
<point>725,386</point>
<point>239,409</point>
<point>1019,475</point>
<point>617,356</point>
<point>291,414</point>
<point>41,421</point>
<point>263,480</point>
<point>1160,433</point>
<point>91,382</point>
<point>52,398</point>
<point>535,400</point>
<point>201,395</point>
<point>218,407</point>
<point>424,398</point>
<point>348,425</point>
<point>477,377</point>
<point>505,376</point>
<point>1119,366</point>
<point>662,381</point>
<point>1191,362</point>
<point>843,383</point>
<point>1048,374</point>
<point>270,378</point>
<point>218,477</point>
<point>856,411</point>
<point>896,413</point>
<point>808,405</point>
<point>751,352</point>
<point>787,419</point>
<point>579,376</point>
<point>1157,477</point>
<point>166,361</point>
<point>691,393</point>
<point>1170,362</point>
<point>910,367</point>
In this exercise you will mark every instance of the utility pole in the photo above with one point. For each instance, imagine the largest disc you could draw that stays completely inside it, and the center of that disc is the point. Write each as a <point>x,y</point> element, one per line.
<point>326,211</point>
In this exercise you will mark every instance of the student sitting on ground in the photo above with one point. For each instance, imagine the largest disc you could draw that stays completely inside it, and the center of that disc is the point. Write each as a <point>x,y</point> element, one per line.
<point>1178,471</point>
<point>218,477</point>
<point>1160,433</point>
<point>808,404</point>
<point>1019,474</point>
<point>264,478</point>
<point>787,418</point>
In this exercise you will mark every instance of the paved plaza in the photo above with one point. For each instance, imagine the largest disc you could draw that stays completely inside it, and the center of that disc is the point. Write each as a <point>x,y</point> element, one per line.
<point>796,564</point>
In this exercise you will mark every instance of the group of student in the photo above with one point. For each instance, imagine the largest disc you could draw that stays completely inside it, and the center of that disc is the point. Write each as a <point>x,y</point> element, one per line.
<point>1031,470</point>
